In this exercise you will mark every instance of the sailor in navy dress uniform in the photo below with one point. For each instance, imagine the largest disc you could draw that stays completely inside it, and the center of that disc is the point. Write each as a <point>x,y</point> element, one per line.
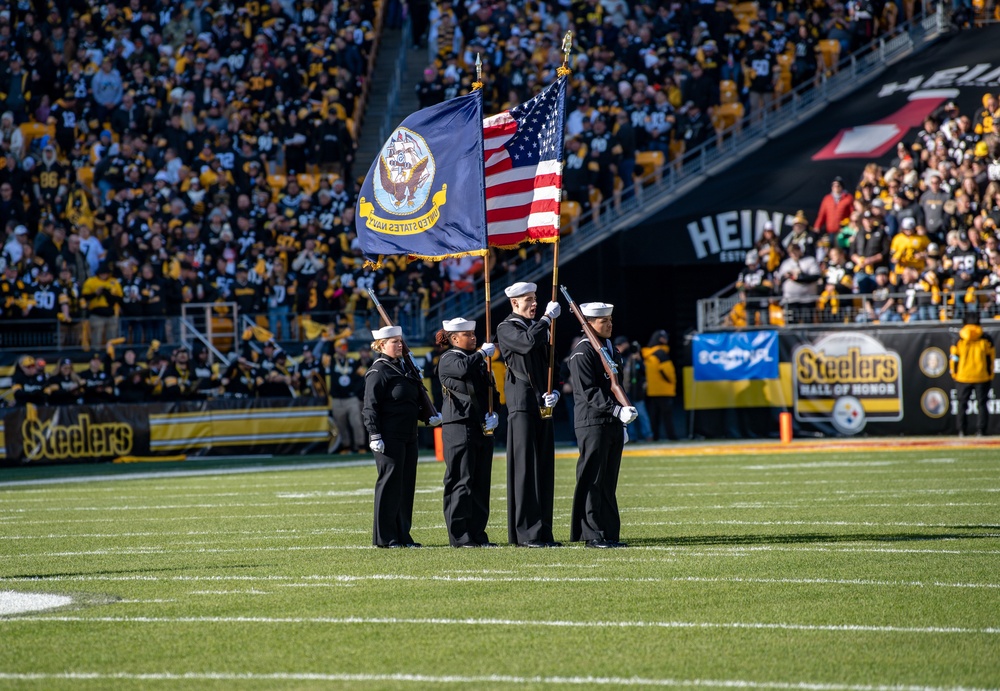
<point>466,384</point>
<point>391,411</point>
<point>524,345</point>
<point>599,422</point>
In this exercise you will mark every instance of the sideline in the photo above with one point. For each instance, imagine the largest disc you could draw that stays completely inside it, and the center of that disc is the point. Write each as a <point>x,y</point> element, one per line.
<point>64,474</point>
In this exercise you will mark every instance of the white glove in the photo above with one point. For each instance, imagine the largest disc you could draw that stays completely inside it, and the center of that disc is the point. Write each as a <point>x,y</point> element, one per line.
<point>625,430</point>
<point>552,397</point>
<point>488,349</point>
<point>552,310</point>
<point>628,414</point>
<point>377,445</point>
<point>434,420</point>
<point>492,420</point>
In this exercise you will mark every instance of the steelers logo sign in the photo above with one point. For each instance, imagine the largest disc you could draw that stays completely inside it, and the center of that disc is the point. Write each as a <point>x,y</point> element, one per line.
<point>848,415</point>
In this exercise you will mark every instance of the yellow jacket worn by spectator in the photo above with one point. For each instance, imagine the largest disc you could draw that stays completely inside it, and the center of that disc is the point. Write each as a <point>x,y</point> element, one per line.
<point>972,356</point>
<point>661,384</point>
<point>661,376</point>
<point>103,294</point>
<point>971,364</point>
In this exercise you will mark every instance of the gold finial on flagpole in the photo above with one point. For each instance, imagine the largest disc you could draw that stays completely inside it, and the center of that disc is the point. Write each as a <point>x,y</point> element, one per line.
<point>478,84</point>
<point>567,47</point>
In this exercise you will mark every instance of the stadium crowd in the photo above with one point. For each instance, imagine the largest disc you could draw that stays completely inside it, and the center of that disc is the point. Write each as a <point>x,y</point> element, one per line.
<point>650,80</point>
<point>156,154</point>
<point>916,241</point>
<point>125,374</point>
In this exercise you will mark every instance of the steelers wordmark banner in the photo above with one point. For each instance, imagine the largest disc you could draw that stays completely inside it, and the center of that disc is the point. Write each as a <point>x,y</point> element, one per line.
<point>847,382</point>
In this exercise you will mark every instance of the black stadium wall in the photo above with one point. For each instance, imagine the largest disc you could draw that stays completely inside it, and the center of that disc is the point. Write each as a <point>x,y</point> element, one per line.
<point>655,271</point>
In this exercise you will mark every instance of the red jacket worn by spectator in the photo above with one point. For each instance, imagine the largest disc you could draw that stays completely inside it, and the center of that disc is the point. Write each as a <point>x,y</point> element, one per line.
<point>835,208</point>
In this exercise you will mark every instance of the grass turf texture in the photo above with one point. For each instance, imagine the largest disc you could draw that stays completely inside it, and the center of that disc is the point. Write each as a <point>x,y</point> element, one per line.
<point>849,569</point>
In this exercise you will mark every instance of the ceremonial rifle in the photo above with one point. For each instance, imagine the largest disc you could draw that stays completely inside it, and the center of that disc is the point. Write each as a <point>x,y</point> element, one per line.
<point>610,368</point>
<point>427,409</point>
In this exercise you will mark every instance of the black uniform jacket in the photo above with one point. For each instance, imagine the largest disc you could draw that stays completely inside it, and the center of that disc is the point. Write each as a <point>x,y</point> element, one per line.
<point>456,369</point>
<point>392,400</point>
<point>593,402</point>
<point>525,348</point>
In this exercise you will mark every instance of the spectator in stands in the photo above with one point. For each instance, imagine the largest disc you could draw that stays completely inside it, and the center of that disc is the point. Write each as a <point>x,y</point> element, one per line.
<point>28,382</point>
<point>103,294</point>
<point>97,381</point>
<point>799,278</point>
<point>963,262</point>
<point>880,307</point>
<point>834,209</point>
<point>64,387</point>
<point>756,286</point>
<point>932,205</point>
<point>870,249</point>
<point>12,250</point>
<point>759,64</point>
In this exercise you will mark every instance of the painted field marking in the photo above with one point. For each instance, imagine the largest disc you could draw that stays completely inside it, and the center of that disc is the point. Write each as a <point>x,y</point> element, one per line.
<point>505,623</point>
<point>13,602</point>
<point>490,575</point>
<point>484,679</point>
<point>706,550</point>
<point>470,679</point>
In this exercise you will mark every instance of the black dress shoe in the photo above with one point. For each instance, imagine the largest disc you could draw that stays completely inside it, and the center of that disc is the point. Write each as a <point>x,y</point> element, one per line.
<point>392,545</point>
<point>487,544</point>
<point>534,544</point>
<point>468,544</point>
<point>412,545</point>
<point>618,543</point>
<point>600,544</point>
<point>554,544</point>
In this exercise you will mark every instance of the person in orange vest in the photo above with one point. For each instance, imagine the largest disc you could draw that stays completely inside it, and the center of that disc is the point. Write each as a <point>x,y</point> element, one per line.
<point>971,364</point>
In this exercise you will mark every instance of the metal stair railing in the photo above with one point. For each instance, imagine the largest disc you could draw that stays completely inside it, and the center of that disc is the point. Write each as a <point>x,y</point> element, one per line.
<point>712,157</point>
<point>392,97</point>
<point>197,324</point>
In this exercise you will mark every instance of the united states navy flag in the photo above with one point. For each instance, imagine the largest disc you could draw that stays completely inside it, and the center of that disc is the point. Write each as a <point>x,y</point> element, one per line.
<point>424,194</point>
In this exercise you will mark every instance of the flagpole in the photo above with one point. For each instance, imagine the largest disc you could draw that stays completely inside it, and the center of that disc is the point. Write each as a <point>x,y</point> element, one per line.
<point>477,86</point>
<point>563,71</point>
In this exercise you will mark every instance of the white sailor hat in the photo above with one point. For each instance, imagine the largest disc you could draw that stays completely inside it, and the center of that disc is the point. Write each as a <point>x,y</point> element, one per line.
<point>520,288</point>
<point>597,309</point>
<point>460,324</point>
<point>387,332</point>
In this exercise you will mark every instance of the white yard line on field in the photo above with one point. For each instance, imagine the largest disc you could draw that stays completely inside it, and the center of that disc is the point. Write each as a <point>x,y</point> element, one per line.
<point>863,524</point>
<point>488,575</point>
<point>830,581</point>
<point>475,579</point>
<point>158,475</point>
<point>706,550</point>
<point>471,679</point>
<point>505,623</point>
<point>710,551</point>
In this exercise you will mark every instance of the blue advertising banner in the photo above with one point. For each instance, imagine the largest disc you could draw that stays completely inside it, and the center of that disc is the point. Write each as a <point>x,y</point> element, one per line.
<point>736,356</point>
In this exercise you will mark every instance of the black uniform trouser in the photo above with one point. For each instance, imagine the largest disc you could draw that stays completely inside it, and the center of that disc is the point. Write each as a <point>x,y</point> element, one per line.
<point>661,408</point>
<point>468,457</point>
<point>394,490</point>
<point>595,504</point>
<point>982,390</point>
<point>530,477</point>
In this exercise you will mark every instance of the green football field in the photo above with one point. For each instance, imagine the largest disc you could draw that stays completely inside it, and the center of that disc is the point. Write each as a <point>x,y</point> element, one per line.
<point>816,566</point>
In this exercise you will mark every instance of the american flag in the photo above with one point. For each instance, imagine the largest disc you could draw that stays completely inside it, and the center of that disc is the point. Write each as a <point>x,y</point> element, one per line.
<point>523,154</point>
